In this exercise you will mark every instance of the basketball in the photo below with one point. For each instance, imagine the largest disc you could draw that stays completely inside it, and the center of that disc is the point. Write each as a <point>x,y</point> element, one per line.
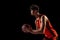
<point>26,28</point>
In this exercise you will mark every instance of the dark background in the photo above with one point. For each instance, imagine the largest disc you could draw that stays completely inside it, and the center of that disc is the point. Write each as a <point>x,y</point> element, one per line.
<point>22,14</point>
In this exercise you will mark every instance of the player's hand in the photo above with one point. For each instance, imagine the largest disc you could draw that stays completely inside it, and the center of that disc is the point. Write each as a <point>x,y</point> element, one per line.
<point>26,28</point>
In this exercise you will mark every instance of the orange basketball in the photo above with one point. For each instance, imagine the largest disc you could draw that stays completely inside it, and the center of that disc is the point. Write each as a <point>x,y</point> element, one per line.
<point>26,28</point>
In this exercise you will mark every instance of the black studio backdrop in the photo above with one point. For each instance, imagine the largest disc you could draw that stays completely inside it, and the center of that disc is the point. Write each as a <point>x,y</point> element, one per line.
<point>22,14</point>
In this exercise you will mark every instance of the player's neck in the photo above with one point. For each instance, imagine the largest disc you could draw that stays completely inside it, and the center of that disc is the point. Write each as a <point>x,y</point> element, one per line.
<point>37,15</point>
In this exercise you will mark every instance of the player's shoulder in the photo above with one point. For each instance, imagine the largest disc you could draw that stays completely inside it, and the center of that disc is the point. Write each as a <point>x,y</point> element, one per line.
<point>43,15</point>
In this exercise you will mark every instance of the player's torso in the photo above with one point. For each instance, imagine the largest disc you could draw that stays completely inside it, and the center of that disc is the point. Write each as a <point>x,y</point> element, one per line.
<point>38,23</point>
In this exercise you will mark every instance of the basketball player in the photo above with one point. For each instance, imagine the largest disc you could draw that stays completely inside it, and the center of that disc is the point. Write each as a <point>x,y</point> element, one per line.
<point>43,25</point>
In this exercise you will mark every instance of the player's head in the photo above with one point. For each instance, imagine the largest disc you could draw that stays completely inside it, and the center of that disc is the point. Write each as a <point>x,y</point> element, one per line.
<point>34,9</point>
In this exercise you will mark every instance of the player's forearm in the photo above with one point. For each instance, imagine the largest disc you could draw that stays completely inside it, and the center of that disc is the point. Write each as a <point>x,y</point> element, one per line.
<point>52,29</point>
<point>55,33</point>
<point>33,32</point>
<point>36,32</point>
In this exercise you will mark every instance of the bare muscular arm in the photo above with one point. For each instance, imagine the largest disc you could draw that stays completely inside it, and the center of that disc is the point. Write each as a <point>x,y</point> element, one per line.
<point>52,29</point>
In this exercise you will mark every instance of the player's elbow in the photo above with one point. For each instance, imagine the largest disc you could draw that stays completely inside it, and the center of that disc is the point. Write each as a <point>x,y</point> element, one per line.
<point>56,34</point>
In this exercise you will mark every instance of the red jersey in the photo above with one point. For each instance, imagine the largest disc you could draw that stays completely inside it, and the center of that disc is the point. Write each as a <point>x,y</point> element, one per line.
<point>39,24</point>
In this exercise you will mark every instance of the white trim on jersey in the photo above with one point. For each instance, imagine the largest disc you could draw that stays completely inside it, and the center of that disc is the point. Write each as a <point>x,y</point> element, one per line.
<point>45,19</point>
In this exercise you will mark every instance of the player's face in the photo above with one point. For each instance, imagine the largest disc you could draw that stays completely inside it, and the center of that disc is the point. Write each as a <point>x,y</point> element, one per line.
<point>33,12</point>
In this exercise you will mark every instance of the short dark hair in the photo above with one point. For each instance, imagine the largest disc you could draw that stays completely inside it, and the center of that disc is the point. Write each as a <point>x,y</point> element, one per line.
<point>34,7</point>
